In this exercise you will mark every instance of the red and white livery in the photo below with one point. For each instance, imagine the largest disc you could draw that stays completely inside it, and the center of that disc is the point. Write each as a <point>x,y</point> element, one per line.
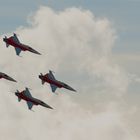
<point>26,95</point>
<point>49,78</point>
<point>14,41</point>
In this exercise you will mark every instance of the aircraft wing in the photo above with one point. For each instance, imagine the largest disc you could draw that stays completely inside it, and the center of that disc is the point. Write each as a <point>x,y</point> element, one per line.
<point>15,38</point>
<point>29,104</point>
<point>51,76</point>
<point>53,87</point>
<point>18,51</point>
<point>27,92</point>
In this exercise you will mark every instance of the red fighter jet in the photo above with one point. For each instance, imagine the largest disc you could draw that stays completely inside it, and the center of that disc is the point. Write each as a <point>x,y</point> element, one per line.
<point>14,41</point>
<point>26,95</point>
<point>49,78</point>
<point>5,76</point>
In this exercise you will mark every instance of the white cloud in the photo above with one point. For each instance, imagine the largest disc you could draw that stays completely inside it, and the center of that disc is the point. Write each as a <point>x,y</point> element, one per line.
<point>77,46</point>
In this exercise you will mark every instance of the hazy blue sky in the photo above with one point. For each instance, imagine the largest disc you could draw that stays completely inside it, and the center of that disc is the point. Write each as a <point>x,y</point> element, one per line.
<point>124,15</point>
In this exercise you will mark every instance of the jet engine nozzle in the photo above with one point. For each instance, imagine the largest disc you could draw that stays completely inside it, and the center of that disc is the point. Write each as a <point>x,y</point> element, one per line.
<point>16,93</point>
<point>4,39</point>
<point>40,76</point>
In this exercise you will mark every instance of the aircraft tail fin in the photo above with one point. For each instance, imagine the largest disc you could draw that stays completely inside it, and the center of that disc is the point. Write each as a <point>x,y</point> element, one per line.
<point>7,45</point>
<point>16,93</point>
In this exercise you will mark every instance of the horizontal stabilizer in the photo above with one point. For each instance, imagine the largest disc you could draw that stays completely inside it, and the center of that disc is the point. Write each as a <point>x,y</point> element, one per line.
<point>43,82</point>
<point>19,99</point>
<point>7,45</point>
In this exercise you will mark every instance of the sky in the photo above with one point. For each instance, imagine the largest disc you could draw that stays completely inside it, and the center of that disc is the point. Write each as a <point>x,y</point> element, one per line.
<point>124,15</point>
<point>91,45</point>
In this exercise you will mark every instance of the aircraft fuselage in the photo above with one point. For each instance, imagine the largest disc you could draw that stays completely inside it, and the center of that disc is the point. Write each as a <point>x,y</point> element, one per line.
<point>11,42</point>
<point>50,81</point>
<point>22,96</point>
<point>19,45</point>
<point>57,83</point>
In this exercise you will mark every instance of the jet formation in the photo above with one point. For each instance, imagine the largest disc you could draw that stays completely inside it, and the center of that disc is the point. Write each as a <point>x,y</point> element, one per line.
<point>14,41</point>
<point>49,78</point>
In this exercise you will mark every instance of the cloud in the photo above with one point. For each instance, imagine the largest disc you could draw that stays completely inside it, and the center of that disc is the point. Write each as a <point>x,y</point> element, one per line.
<point>77,46</point>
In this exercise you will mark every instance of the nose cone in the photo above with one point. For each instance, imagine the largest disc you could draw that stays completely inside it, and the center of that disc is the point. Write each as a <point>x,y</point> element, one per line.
<point>45,105</point>
<point>69,88</point>
<point>34,51</point>
<point>37,52</point>
<point>8,78</point>
<point>11,79</point>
